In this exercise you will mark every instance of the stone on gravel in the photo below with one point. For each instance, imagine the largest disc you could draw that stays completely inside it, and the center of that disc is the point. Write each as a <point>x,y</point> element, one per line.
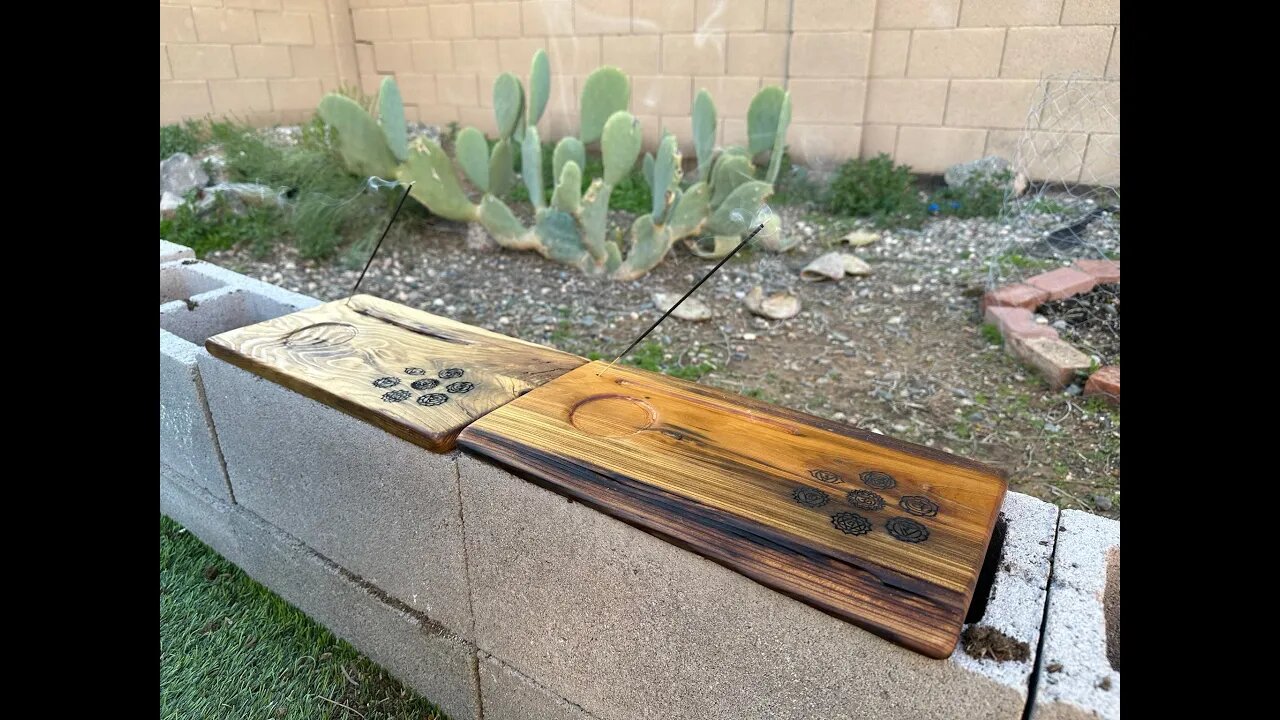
<point>860,238</point>
<point>169,204</point>
<point>780,306</point>
<point>828,267</point>
<point>691,309</point>
<point>180,173</point>
<point>854,265</point>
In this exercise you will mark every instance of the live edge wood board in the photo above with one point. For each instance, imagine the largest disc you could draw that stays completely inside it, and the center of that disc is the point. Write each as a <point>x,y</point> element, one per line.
<point>887,535</point>
<point>419,376</point>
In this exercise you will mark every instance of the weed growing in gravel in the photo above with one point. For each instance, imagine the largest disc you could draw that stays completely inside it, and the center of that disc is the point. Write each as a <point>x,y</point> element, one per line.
<point>991,334</point>
<point>878,189</point>
<point>650,356</point>
<point>982,196</point>
<point>795,186</point>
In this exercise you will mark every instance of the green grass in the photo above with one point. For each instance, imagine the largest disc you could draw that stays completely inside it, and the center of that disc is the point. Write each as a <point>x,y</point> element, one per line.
<point>229,648</point>
<point>650,356</point>
<point>991,334</point>
<point>185,138</point>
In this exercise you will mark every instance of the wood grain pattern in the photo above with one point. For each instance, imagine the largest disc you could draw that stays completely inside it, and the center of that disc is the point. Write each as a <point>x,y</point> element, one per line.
<point>887,535</point>
<point>419,376</point>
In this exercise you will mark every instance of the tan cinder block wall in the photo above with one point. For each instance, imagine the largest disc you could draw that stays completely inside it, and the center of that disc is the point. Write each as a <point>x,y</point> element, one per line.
<point>931,82</point>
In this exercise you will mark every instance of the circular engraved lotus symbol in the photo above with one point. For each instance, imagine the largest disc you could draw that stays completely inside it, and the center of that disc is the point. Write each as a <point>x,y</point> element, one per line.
<point>865,500</point>
<point>450,373</point>
<point>433,399</point>
<point>878,480</point>
<point>907,530</point>
<point>826,476</point>
<point>396,395</point>
<point>460,387</point>
<point>386,382</point>
<point>415,371</point>
<point>426,384</point>
<point>851,523</point>
<point>917,505</point>
<point>810,497</point>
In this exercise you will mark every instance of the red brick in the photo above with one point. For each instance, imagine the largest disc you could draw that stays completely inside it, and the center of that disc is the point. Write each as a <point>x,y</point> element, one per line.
<point>1102,271</point>
<point>1018,295</point>
<point>1063,282</point>
<point>1013,322</point>
<point>1057,360</point>
<point>1105,383</point>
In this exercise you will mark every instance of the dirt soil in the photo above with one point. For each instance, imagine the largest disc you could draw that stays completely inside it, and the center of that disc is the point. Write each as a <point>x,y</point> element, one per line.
<point>897,352</point>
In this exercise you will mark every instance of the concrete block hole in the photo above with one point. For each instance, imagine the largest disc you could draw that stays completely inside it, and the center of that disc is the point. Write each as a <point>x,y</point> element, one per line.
<point>207,314</point>
<point>1111,608</point>
<point>180,281</point>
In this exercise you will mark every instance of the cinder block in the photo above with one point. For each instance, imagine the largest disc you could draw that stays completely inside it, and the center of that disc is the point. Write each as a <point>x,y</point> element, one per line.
<point>732,95</point>
<point>173,251</point>
<point>889,53</point>
<point>181,100</point>
<point>392,57</point>
<point>1080,663</point>
<point>240,96</point>
<point>452,21</point>
<point>548,17</point>
<point>263,61</point>
<point>634,55</point>
<point>934,149</point>
<point>457,90</point>
<point>216,25</point>
<point>660,95</point>
<point>835,102</point>
<point>966,53</point>
<point>475,56</point>
<point>284,28</point>
<point>625,625</point>
<point>201,62</point>
<point>409,23</point>
<point>422,654</point>
<point>602,16</point>
<point>198,300</point>
<point>697,54</point>
<point>383,508</point>
<point>758,54</point>
<point>430,57</point>
<point>990,103</point>
<point>505,694</point>
<point>371,24</point>
<point>1006,13</point>
<point>1034,52</point>
<point>831,15</point>
<point>497,19</point>
<point>914,14</point>
<point>836,55</point>
<point>660,16</point>
<point>920,102</point>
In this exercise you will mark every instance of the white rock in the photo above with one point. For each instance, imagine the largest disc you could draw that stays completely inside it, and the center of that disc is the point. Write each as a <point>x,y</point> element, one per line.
<point>691,309</point>
<point>169,204</point>
<point>777,307</point>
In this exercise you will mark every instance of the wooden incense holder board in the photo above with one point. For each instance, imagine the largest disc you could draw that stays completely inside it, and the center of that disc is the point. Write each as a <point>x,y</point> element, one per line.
<point>885,534</point>
<point>417,375</point>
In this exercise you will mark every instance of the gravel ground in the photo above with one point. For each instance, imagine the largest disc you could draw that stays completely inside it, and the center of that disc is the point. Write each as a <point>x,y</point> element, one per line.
<point>897,352</point>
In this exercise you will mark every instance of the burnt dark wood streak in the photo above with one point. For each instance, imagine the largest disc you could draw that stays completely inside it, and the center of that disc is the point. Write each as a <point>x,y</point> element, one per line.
<point>764,491</point>
<point>419,376</point>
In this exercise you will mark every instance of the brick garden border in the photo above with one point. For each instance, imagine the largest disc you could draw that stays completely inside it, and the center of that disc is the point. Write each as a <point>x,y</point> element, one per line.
<point>1010,308</point>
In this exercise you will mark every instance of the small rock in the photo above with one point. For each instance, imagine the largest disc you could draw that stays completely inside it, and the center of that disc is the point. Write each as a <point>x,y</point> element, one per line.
<point>776,307</point>
<point>180,173</point>
<point>691,309</point>
<point>827,267</point>
<point>1050,427</point>
<point>859,238</point>
<point>854,265</point>
<point>1074,389</point>
<point>1102,502</point>
<point>1059,325</point>
<point>1042,320</point>
<point>169,204</point>
<point>748,336</point>
<point>839,417</point>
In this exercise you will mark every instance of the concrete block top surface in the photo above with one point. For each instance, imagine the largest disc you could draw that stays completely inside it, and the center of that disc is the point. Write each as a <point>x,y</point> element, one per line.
<point>173,251</point>
<point>419,376</point>
<point>885,534</point>
<point>1080,663</point>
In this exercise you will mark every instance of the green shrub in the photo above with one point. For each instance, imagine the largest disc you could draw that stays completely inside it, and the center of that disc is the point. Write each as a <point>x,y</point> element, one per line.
<point>184,138</point>
<point>878,189</point>
<point>794,185</point>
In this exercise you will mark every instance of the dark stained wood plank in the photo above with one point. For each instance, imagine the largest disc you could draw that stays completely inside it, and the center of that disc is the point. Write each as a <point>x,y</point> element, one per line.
<point>414,374</point>
<point>885,534</point>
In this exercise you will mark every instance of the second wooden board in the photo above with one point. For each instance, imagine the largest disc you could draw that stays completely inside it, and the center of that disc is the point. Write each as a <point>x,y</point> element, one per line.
<point>888,535</point>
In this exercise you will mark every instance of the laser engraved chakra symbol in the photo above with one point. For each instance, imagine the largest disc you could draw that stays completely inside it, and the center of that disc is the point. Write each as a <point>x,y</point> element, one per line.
<point>878,480</point>
<point>851,523</point>
<point>386,382</point>
<point>826,476</point>
<point>450,373</point>
<point>865,500</point>
<point>810,497</point>
<point>433,399</point>
<point>396,395</point>
<point>907,530</point>
<point>426,384</point>
<point>415,371</point>
<point>460,387</point>
<point>917,505</point>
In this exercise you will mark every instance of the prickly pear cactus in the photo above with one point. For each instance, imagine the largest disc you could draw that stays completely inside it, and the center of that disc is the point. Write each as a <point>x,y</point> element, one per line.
<point>572,228</point>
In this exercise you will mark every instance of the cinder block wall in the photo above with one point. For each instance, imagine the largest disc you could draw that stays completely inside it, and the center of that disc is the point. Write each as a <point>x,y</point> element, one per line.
<point>931,82</point>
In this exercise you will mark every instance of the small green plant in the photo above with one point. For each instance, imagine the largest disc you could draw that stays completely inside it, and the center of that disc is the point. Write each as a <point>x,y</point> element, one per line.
<point>181,138</point>
<point>982,196</point>
<point>651,356</point>
<point>221,227</point>
<point>877,189</point>
<point>991,334</point>
<point>794,185</point>
<point>1046,205</point>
